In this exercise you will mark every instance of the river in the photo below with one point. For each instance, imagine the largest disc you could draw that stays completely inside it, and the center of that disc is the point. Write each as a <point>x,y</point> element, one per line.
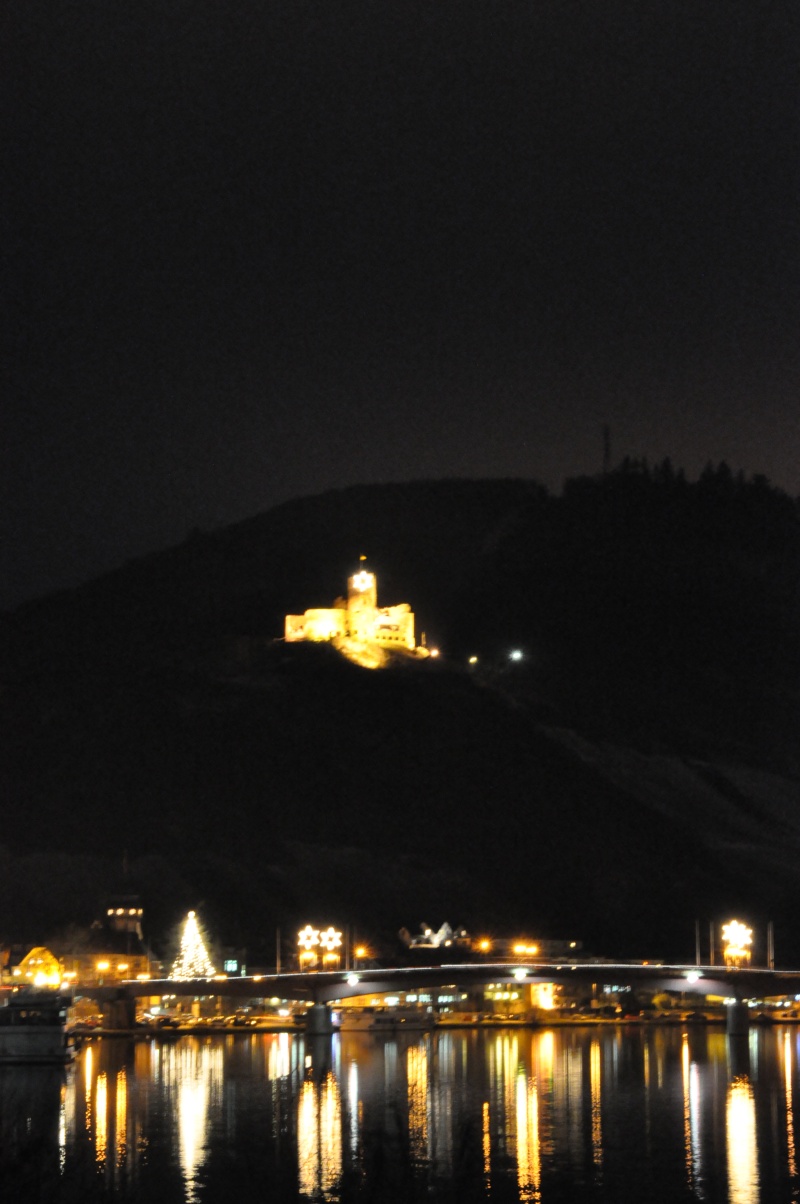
<point>647,1114</point>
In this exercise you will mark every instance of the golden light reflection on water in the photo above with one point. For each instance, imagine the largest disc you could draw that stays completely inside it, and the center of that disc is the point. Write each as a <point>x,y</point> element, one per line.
<point>596,1094</point>
<point>319,1138</point>
<point>88,1066</point>
<point>687,1109</point>
<point>121,1116</point>
<point>786,1054</point>
<point>62,1129</point>
<point>532,1105</point>
<point>544,1046</point>
<point>487,1142</point>
<point>101,1118</point>
<point>278,1057</point>
<point>740,1131</point>
<point>417,1073</point>
<point>195,1070</point>
<point>508,1054</point>
<point>691,1117</point>
<point>528,1162</point>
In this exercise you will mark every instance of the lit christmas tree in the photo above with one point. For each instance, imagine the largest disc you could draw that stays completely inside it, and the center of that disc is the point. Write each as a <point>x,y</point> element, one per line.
<point>193,960</point>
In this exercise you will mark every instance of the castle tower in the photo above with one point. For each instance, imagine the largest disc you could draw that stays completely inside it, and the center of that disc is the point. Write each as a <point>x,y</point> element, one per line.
<point>362,603</point>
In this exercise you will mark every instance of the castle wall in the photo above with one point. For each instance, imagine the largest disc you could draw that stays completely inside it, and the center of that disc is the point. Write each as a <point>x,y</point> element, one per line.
<point>394,627</point>
<point>319,624</point>
<point>360,619</point>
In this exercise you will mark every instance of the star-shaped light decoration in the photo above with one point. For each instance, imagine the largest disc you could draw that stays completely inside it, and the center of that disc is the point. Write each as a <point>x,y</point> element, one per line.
<point>308,937</point>
<point>330,939</point>
<point>737,937</point>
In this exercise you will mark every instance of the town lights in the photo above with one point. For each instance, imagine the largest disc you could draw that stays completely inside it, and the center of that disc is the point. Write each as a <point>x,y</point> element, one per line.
<point>737,939</point>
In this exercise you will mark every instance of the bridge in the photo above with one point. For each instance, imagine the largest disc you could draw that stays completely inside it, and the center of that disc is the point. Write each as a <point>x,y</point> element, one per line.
<point>322,988</point>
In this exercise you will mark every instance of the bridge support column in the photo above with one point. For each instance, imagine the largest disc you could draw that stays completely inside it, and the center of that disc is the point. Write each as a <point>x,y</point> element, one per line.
<point>119,1013</point>
<point>319,1020</point>
<point>738,1019</point>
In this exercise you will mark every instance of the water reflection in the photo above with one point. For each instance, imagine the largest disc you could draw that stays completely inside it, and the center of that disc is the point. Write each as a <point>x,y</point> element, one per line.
<point>742,1147</point>
<point>193,1072</point>
<point>417,1075</point>
<point>597,1104</point>
<point>528,1166</point>
<point>319,1138</point>
<point>691,1121</point>
<point>542,1116</point>
<point>786,1056</point>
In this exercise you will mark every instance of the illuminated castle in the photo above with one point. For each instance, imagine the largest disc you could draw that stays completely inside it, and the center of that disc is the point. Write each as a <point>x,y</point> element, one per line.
<point>357,619</point>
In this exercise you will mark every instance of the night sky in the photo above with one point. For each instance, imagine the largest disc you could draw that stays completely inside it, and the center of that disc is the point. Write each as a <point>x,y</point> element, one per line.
<point>254,249</point>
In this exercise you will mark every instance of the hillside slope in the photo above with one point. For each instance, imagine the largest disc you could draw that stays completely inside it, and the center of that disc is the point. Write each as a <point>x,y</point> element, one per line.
<point>635,772</point>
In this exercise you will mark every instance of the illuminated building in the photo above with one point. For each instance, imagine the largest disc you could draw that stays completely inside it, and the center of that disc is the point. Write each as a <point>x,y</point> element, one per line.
<point>38,968</point>
<point>110,950</point>
<point>357,619</point>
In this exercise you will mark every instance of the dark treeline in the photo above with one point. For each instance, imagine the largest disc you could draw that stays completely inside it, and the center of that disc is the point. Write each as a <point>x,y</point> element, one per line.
<point>654,608</point>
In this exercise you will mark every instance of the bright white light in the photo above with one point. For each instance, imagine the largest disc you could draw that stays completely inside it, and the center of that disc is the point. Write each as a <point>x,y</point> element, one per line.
<point>352,980</point>
<point>737,937</point>
<point>308,937</point>
<point>330,939</point>
<point>520,972</point>
<point>693,976</point>
<point>516,655</point>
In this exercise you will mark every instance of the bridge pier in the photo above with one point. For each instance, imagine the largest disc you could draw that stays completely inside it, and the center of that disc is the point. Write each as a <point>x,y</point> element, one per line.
<point>737,1022</point>
<point>119,1013</point>
<point>319,1020</point>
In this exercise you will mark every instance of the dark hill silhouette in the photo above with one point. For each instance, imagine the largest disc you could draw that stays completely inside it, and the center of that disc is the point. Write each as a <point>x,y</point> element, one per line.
<point>635,771</point>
